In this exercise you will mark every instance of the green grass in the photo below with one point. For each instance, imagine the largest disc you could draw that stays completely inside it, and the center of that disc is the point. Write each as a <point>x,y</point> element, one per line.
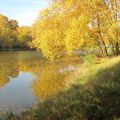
<point>93,95</point>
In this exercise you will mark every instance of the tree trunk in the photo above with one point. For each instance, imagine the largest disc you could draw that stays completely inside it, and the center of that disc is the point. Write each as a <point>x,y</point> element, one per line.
<point>113,48</point>
<point>116,20</point>
<point>105,48</point>
<point>99,31</point>
<point>117,49</point>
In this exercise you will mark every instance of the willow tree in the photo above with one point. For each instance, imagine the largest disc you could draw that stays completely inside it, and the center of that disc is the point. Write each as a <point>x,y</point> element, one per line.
<point>48,34</point>
<point>61,27</point>
<point>68,25</point>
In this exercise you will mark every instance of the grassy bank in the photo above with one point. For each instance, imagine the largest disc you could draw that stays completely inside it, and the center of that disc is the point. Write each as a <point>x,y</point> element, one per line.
<point>93,95</point>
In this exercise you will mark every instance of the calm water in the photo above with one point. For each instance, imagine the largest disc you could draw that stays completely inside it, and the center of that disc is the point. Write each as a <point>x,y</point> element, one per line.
<point>25,79</point>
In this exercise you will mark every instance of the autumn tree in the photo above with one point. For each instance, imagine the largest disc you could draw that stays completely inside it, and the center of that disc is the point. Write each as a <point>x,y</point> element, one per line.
<point>57,30</point>
<point>114,25</point>
<point>11,35</point>
<point>68,25</point>
<point>6,35</point>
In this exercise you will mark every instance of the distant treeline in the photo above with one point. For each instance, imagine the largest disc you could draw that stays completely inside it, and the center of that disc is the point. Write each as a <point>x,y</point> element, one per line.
<point>12,35</point>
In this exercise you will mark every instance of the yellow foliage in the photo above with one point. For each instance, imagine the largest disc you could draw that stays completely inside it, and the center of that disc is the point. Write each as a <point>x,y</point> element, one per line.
<point>67,25</point>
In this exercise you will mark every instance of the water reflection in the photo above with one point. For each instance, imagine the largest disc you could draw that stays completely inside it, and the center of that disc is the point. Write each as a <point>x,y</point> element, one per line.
<point>49,82</point>
<point>10,66</point>
<point>53,77</point>
<point>25,77</point>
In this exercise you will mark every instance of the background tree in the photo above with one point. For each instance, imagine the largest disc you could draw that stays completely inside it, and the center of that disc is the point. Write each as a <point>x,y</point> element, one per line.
<point>23,36</point>
<point>6,33</point>
<point>13,36</point>
<point>14,24</point>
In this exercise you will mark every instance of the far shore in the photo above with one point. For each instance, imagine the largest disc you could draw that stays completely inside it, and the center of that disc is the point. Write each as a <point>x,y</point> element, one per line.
<point>15,49</point>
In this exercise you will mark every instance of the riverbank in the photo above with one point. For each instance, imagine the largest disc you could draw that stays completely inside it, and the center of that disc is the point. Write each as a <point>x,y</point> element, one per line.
<point>93,95</point>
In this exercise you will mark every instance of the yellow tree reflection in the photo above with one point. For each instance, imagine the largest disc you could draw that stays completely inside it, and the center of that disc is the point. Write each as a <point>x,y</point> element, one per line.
<point>49,82</point>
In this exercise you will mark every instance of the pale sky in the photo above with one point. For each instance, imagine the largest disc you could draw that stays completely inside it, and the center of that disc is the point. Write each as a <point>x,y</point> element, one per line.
<point>24,11</point>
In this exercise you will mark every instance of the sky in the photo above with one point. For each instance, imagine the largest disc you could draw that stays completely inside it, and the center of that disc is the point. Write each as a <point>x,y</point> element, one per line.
<point>24,11</point>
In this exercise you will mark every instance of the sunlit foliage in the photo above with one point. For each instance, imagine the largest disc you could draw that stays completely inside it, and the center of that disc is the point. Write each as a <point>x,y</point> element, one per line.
<point>68,25</point>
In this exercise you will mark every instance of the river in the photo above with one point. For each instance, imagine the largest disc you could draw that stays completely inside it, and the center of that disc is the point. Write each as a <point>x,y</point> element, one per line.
<point>26,78</point>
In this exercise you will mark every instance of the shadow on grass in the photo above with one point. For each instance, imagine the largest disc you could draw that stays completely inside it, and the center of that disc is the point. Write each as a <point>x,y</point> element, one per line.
<point>100,100</point>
